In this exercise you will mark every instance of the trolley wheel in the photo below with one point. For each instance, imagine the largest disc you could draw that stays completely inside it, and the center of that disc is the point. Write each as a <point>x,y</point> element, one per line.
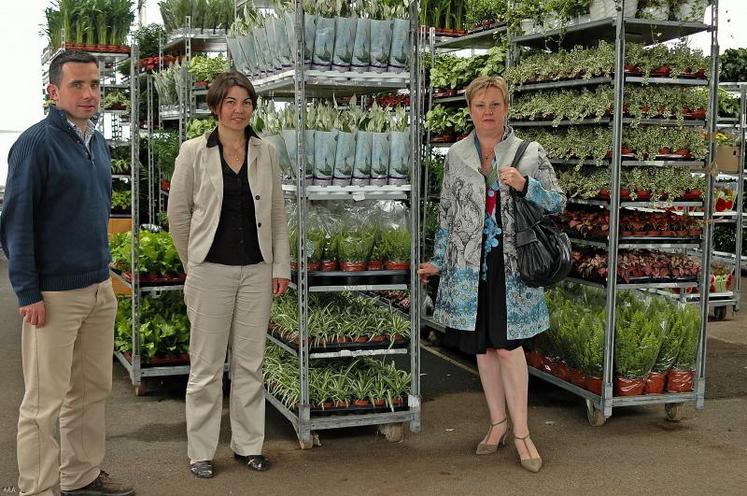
<point>313,440</point>
<point>394,433</point>
<point>140,389</point>
<point>594,415</point>
<point>719,313</point>
<point>674,411</point>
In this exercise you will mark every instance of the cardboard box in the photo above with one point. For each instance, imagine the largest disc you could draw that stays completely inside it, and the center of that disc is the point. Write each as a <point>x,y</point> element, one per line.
<point>727,158</point>
<point>120,225</point>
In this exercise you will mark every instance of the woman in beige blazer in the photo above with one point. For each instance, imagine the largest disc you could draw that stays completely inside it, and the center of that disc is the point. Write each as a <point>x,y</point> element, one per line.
<point>227,219</point>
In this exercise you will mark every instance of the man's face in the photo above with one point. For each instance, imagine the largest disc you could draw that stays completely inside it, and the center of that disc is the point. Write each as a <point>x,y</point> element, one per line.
<point>78,93</point>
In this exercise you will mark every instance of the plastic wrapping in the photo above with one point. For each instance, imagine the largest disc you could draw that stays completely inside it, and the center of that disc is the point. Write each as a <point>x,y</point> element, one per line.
<point>690,10</point>
<point>289,19</point>
<point>331,221</point>
<point>282,43</point>
<point>237,55</point>
<point>671,342</point>
<point>324,43</point>
<point>272,43</point>
<point>278,142</point>
<point>356,239</point>
<point>249,49</point>
<point>399,157</point>
<point>380,150</point>
<point>309,25</point>
<point>291,215</point>
<point>345,28</point>
<point>680,381</point>
<point>362,48</point>
<point>259,39</point>
<point>363,155</point>
<point>344,159</point>
<point>316,238</point>
<point>309,142</point>
<point>656,13</point>
<point>325,150</point>
<point>394,236</point>
<point>291,146</point>
<point>400,50</point>
<point>381,44</point>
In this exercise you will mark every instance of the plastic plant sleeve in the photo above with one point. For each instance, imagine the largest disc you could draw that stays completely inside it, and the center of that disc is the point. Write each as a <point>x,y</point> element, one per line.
<point>278,142</point>
<point>399,157</point>
<point>380,148</point>
<point>344,159</point>
<point>325,150</point>
<point>259,34</point>
<point>284,46</point>
<point>291,146</point>
<point>249,49</point>
<point>400,49</point>
<point>309,37</point>
<point>324,43</point>
<point>342,55</point>
<point>690,10</point>
<point>267,51</point>
<point>381,44</point>
<point>236,54</point>
<point>273,49</point>
<point>362,48</point>
<point>363,155</point>
<point>309,142</point>
<point>289,19</point>
<point>670,347</point>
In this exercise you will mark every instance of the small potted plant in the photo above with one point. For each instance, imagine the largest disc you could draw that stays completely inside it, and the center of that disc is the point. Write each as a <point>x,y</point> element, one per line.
<point>681,377</point>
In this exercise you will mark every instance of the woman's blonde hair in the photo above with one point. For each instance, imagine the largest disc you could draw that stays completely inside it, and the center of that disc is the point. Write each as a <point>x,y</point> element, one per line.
<point>481,83</point>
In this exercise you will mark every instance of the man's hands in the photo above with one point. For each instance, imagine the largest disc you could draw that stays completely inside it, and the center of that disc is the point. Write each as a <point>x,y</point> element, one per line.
<point>427,270</point>
<point>34,314</point>
<point>279,286</point>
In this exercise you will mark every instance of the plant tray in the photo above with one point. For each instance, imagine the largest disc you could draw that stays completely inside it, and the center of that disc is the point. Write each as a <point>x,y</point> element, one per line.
<point>161,360</point>
<point>352,346</point>
<point>153,279</point>
<point>362,278</point>
<point>354,410</point>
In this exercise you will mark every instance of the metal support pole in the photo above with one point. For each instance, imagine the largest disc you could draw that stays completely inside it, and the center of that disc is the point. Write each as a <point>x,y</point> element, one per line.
<point>304,409</point>
<point>617,130</point>
<point>705,270</point>
<point>415,152</point>
<point>741,126</point>
<point>152,176</point>
<point>135,233</point>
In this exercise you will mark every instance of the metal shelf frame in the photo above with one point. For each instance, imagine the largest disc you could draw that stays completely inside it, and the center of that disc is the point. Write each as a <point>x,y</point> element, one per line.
<point>573,83</point>
<point>298,85</point>
<point>620,30</point>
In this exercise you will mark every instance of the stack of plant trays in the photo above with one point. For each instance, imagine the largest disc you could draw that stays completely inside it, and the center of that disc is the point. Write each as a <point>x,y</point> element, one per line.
<point>731,255</point>
<point>620,30</point>
<point>283,76</point>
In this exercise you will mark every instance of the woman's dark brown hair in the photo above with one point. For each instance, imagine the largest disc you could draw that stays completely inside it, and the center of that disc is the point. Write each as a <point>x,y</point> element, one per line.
<point>224,82</point>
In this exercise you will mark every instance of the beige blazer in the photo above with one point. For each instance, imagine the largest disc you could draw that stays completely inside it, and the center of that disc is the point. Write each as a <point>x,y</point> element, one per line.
<point>196,196</point>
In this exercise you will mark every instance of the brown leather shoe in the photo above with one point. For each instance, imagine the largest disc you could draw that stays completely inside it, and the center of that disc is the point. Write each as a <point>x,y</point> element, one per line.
<point>103,485</point>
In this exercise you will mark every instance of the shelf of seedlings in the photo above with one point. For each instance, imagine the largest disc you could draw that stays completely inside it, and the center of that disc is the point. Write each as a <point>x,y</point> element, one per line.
<point>336,357</point>
<point>653,262</point>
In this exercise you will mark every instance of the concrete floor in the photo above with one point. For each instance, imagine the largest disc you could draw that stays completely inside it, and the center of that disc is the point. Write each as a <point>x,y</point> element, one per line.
<point>637,451</point>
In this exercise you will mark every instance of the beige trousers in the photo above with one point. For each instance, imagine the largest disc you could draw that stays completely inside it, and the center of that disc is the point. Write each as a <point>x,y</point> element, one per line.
<point>226,305</point>
<point>67,373</point>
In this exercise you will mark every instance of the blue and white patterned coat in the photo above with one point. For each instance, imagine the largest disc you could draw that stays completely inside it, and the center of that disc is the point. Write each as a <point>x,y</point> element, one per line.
<point>458,241</point>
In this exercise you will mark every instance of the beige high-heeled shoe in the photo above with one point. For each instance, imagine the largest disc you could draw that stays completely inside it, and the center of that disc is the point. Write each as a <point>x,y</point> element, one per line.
<point>486,448</point>
<point>532,464</point>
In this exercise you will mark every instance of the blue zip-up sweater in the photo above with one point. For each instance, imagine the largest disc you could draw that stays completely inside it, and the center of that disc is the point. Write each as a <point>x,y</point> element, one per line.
<point>54,222</point>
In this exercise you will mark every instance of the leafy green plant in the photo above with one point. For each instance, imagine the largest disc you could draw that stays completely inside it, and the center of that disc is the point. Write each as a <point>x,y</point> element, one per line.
<point>204,68</point>
<point>116,100</point>
<point>686,358</point>
<point>121,200</point>
<point>355,244</point>
<point>157,254</point>
<point>396,244</point>
<point>734,65</point>
<point>148,39</point>
<point>197,127</point>
<point>165,147</point>
<point>477,11</point>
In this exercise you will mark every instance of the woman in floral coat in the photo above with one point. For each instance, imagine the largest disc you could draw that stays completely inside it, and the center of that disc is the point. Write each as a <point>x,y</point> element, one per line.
<point>485,306</point>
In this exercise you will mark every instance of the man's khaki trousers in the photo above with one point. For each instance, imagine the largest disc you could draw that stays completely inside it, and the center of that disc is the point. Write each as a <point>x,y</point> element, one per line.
<point>226,304</point>
<point>67,373</point>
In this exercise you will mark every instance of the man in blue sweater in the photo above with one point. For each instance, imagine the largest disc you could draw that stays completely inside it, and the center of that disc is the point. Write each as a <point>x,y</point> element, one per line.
<point>54,232</point>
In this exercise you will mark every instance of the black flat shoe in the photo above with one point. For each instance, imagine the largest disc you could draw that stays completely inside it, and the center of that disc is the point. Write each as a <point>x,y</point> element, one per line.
<point>203,469</point>
<point>254,462</point>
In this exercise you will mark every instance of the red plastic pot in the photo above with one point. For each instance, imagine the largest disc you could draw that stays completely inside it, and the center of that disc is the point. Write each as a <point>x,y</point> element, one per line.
<point>626,386</point>
<point>396,265</point>
<point>329,265</point>
<point>353,266</point>
<point>680,381</point>
<point>374,265</point>
<point>313,266</point>
<point>534,359</point>
<point>577,377</point>
<point>654,383</point>
<point>593,384</point>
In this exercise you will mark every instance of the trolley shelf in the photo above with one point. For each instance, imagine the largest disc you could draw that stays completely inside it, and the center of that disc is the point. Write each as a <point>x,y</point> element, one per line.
<point>607,121</point>
<point>386,192</point>
<point>362,349</point>
<point>641,243</point>
<point>641,204</point>
<point>332,83</point>
<point>480,39</point>
<point>572,83</point>
<point>635,163</point>
<point>646,285</point>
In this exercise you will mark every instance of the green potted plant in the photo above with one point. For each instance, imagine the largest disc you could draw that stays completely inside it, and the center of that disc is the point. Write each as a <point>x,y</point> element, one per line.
<point>396,248</point>
<point>681,376</point>
<point>637,343</point>
<point>354,248</point>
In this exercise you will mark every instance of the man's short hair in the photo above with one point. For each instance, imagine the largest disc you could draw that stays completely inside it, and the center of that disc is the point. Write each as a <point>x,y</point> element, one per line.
<point>224,82</point>
<point>55,68</point>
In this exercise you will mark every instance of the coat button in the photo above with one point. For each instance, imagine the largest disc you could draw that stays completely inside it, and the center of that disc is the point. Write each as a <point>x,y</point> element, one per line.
<point>256,197</point>
<point>259,224</point>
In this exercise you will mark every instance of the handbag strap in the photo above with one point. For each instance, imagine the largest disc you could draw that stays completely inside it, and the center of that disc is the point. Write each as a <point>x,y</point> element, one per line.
<point>520,153</point>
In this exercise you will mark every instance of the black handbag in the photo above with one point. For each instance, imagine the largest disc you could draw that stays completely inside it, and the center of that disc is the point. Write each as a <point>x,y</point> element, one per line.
<point>544,251</point>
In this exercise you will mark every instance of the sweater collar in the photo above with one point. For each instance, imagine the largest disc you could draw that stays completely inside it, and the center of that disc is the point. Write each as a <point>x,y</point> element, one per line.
<point>214,141</point>
<point>59,118</point>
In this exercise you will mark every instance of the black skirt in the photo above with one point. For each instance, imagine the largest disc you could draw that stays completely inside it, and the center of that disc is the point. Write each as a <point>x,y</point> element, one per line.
<point>491,329</point>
